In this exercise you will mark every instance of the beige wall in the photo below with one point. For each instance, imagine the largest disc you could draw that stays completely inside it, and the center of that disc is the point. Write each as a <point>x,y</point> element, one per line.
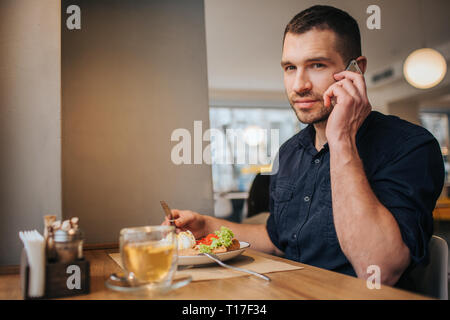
<point>408,108</point>
<point>134,72</point>
<point>29,119</point>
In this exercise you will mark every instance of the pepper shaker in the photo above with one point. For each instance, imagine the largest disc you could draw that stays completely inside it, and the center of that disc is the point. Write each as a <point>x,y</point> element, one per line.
<point>68,245</point>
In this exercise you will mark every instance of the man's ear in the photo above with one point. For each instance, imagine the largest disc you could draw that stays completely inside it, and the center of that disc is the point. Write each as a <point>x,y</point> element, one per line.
<point>362,64</point>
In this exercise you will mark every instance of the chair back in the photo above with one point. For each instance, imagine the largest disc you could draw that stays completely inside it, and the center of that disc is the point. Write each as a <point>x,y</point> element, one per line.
<point>432,279</point>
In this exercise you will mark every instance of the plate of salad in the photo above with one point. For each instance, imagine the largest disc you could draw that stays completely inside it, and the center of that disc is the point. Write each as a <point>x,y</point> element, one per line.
<point>222,243</point>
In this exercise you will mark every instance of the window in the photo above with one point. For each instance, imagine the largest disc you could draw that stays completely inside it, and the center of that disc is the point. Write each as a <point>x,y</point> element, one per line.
<point>254,132</point>
<point>250,125</point>
<point>437,124</point>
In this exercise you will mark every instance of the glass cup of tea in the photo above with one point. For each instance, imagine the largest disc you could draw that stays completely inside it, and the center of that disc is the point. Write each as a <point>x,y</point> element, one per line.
<point>149,255</point>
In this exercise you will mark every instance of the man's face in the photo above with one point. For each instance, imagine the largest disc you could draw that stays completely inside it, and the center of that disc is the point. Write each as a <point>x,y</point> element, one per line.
<point>309,62</point>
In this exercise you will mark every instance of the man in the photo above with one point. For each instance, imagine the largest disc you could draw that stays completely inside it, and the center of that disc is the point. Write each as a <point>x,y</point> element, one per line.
<point>355,188</point>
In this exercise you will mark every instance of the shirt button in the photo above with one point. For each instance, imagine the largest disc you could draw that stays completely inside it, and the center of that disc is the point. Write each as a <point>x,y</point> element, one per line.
<point>294,236</point>
<point>306,199</point>
<point>317,161</point>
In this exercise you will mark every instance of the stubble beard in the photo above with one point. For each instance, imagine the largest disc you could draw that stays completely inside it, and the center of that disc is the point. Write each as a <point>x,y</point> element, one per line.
<point>313,116</point>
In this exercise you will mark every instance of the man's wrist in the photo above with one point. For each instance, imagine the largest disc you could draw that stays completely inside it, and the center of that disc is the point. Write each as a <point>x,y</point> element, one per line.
<point>210,224</point>
<point>343,150</point>
<point>343,143</point>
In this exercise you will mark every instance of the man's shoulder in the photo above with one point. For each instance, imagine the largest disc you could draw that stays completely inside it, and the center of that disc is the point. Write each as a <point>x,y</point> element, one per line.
<point>393,130</point>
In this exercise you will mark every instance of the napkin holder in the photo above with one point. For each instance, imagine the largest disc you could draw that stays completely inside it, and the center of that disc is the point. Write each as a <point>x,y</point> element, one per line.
<point>61,279</point>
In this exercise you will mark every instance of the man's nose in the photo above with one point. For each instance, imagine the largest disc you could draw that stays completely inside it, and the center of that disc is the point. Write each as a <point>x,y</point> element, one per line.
<point>302,82</point>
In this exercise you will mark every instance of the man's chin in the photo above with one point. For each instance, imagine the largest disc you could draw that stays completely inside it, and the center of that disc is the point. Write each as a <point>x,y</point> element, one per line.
<point>312,118</point>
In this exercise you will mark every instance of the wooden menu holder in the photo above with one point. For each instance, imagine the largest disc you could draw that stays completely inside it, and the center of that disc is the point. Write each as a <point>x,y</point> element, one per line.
<point>59,278</point>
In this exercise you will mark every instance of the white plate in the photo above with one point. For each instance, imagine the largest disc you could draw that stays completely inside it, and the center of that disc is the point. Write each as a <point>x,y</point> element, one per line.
<point>201,259</point>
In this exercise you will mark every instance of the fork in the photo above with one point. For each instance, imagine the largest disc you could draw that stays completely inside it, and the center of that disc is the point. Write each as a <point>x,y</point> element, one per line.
<point>216,259</point>
<point>168,212</point>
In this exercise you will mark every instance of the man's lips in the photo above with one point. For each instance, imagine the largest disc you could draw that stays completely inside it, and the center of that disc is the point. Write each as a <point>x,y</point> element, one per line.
<point>306,103</point>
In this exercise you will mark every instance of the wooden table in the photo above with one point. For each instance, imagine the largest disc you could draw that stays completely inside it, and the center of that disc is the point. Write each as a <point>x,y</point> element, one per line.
<point>307,283</point>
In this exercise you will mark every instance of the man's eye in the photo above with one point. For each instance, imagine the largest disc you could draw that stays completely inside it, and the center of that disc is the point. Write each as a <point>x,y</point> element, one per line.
<point>289,68</point>
<point>318,65</point>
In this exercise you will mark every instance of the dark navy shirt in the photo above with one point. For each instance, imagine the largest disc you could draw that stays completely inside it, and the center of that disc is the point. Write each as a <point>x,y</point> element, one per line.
<point>404,166</point>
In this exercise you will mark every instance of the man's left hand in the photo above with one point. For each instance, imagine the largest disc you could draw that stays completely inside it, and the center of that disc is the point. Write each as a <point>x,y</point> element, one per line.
<point>351,109</point>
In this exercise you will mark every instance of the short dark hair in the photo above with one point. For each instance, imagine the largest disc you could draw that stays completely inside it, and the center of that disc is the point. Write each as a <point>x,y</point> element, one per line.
<point>327,17</point>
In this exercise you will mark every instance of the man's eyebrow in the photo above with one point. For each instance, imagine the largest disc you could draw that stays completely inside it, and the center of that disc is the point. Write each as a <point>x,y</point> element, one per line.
<point>287,62</point>
<point>318,59</point>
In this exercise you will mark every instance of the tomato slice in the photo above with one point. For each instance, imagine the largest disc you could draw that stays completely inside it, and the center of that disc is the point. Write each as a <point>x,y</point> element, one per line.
<point>208,239</point>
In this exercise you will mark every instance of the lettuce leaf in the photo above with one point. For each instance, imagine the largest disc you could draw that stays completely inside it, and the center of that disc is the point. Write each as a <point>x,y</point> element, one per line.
<point>204,248</point>
<point>225,236</point>
<point>215,243</point>
<point>225,239</point>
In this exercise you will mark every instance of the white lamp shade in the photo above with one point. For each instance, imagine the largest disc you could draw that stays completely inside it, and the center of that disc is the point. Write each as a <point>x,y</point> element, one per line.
<point>424,68</point>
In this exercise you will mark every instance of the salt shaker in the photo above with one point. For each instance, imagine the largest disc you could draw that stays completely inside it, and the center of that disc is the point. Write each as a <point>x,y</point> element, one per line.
<point>68,245</point>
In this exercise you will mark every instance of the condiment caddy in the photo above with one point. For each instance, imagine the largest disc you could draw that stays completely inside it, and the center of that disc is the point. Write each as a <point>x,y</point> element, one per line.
<point>66,271</point>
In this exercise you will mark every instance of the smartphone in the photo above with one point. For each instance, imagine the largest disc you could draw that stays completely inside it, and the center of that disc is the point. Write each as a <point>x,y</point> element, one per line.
<point>353,66</point>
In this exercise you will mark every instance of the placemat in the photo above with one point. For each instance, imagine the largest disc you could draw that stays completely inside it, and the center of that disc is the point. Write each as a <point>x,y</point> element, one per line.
<point>213,271</point>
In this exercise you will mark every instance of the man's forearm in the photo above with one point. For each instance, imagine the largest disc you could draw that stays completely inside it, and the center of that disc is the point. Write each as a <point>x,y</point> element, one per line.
<point>255,234</point>
<point>367,231</point>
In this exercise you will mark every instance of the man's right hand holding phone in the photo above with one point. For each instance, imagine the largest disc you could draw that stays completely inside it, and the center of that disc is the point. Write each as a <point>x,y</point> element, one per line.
<point>351,108</point>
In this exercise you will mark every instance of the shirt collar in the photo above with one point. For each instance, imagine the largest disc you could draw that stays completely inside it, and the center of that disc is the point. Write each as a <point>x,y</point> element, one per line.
<point>306,137</point>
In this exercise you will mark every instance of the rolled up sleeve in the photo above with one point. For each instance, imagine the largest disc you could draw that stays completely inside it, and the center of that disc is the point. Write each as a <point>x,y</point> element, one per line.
<point>409,186</point>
